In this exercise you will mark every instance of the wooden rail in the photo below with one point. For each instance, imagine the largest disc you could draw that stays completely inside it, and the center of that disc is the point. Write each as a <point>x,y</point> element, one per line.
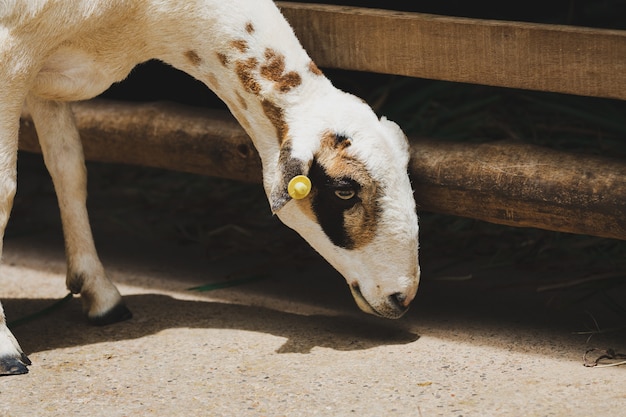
<point>503,182</point>
<point>554,58</point>
<point>508,183</point>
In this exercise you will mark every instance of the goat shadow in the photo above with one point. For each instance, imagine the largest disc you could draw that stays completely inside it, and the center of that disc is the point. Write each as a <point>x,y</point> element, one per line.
<point>67,327</point>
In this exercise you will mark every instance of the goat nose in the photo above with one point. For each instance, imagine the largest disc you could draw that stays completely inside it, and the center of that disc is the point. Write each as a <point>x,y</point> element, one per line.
<point>400,300</point>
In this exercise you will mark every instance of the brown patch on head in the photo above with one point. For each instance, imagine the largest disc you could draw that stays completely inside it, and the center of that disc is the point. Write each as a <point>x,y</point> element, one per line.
<point>276,116</point>
<point>222,58</point>
<point>348,223</point>
<point>314,69</point>
<point>244,70</point>
<point>334,141</point>
<point>240,45</point>
<point>274,70</point>
<point>193,57</point>
<point>250,28</point>
<point>334,157</point>
<point>361,221</point>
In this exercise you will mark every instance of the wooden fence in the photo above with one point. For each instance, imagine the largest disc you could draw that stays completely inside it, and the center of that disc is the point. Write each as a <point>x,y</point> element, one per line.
<point>501,182</point>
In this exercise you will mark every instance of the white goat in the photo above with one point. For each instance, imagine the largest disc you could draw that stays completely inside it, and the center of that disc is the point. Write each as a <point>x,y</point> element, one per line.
<point>352,198</point>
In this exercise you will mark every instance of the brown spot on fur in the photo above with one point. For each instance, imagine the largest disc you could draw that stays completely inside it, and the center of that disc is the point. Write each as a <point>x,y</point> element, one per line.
<point>222,58</point>
<point>276,117</point>
<point>193,57</point>
<point>240,45</point>
<point>250,28</point>
<point>337,162</point>
<point>244,70</point>
<point>314,69</point>
<point>274,70</point>
<point>274,66</point>
<point>288,81</point>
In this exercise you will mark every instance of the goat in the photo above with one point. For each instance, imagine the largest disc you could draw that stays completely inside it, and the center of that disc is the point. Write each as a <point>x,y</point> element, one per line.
<point>332,170</point>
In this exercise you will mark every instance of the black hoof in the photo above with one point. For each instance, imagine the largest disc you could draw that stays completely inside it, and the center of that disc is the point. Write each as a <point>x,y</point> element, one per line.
<point>118,313</point>
<point>14,366</point>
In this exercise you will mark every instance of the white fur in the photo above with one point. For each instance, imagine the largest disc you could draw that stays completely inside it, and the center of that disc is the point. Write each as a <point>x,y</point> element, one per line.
<point>55,52</point>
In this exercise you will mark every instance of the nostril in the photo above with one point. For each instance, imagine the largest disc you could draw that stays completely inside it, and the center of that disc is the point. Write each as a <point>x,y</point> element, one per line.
<point>399,299</point>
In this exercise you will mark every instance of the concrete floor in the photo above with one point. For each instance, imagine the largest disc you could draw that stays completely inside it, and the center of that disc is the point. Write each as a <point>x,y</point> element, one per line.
<point>290,344</point>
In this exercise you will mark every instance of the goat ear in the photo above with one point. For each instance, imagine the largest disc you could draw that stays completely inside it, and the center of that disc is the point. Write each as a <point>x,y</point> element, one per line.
<point>290,180</point>
<point>395,130</point>
<point>396,134</point>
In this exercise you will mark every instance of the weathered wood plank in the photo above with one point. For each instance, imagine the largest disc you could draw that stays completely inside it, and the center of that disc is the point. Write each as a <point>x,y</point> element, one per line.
<point>554,58</point>
<point>508,183</point>
<point>523,185</point>
<point>160,135</point>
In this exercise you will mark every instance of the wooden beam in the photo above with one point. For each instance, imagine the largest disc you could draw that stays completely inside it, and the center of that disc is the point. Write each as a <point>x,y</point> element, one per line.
<point>160,135</point>
<point>503,182</point>
<point>542,57</point>
<point>522,185</point>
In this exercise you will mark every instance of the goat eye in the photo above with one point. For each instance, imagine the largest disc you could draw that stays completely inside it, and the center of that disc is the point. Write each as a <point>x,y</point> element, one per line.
<point>345,194</point>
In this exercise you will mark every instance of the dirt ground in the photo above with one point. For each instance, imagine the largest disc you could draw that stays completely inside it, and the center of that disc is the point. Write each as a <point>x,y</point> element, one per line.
<point>285,338</point>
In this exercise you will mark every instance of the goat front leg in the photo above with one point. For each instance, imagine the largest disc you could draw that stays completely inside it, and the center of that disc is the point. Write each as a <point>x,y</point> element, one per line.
<point>63,156</point>
<point>13,361</point>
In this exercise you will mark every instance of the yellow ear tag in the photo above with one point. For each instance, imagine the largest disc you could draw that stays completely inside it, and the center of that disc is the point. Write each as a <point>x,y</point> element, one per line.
<point>299,187</point>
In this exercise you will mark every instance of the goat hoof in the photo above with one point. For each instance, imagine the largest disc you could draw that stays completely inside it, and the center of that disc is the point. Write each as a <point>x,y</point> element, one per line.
<point>14,365</point>
<point>118,313</point>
